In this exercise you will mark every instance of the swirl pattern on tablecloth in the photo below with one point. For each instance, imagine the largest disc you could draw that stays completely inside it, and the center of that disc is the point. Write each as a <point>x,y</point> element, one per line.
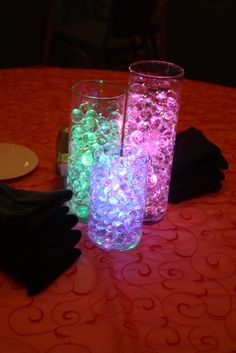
<point>176,291</point>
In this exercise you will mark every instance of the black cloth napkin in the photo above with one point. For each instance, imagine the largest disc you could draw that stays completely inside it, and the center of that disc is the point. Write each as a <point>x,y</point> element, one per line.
<point>197,166</point>
<point>29,208</point>
<point>37,239</point>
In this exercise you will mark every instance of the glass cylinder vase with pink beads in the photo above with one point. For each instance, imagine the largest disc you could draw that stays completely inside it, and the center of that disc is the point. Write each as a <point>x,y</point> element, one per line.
<point>152,109</point>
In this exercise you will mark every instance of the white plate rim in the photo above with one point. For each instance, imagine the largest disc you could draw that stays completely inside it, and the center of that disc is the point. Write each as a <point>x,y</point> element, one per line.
<point>12,153</point>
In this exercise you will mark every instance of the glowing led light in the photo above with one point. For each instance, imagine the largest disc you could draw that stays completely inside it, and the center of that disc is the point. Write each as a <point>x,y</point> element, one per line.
<point>151,117</point>
<point>118,193</point>
<point>95,121</point>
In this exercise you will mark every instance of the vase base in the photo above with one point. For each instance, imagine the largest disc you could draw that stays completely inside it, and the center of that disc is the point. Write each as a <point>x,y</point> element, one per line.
<point>151,219</point>
<point>115,247</point>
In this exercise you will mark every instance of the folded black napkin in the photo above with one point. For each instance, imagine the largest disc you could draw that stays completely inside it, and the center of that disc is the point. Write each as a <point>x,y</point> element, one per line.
<point>197,166</point>
<point>37,239</point>
<point>29,208</point>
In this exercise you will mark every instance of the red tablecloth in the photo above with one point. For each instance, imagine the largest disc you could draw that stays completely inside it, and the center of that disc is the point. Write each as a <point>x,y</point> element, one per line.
<point>176,291</point>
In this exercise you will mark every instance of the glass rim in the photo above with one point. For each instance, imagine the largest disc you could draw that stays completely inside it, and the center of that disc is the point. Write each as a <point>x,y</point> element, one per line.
<point>74,89</point>
<point>116,147</point>
<point>162,63</point>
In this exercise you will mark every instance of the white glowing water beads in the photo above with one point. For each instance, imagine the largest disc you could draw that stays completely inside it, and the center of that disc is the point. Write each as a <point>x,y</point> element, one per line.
<point>118,193</point>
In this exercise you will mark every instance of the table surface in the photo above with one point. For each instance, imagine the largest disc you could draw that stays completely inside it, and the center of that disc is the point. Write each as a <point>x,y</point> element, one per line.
<point>176,291</point>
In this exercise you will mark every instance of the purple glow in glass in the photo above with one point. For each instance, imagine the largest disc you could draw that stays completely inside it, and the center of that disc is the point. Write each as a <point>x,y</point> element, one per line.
<point>151,116</point>
<point>117,196</point>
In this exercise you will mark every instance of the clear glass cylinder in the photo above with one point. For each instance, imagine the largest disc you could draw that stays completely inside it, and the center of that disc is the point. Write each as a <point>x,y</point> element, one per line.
<point>151,117</point>
<point>97,111</point>
<point>118,194</point>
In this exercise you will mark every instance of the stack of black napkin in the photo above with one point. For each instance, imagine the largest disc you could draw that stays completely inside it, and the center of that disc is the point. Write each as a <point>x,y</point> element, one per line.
<point>37,239</point>
<point>197,166</point>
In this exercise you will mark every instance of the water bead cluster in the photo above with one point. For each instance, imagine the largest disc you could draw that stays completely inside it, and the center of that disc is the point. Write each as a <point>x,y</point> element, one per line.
<point>150,123</point>
<point>92,125</point>
<point>118,193</point>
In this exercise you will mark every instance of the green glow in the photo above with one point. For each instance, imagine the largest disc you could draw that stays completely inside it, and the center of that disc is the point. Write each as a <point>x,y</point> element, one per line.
<point>87,158</point>
<point>89,138</point>
<point>91,113</point>
<point>83,210</point>
<point>76,111</point>
<point>90,129</point>
<point>76,115</point>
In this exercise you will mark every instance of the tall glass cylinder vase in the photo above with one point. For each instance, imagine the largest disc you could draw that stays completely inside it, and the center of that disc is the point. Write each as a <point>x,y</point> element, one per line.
<point>97,111</point>
<point>151,116</point>
<point>118,194</point>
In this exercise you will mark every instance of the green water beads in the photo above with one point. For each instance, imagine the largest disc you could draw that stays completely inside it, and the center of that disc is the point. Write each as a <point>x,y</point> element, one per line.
<point>92,126</point>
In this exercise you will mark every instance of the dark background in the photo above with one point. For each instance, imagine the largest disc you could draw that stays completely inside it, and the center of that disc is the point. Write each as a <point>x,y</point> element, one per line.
<point>199,35</point>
